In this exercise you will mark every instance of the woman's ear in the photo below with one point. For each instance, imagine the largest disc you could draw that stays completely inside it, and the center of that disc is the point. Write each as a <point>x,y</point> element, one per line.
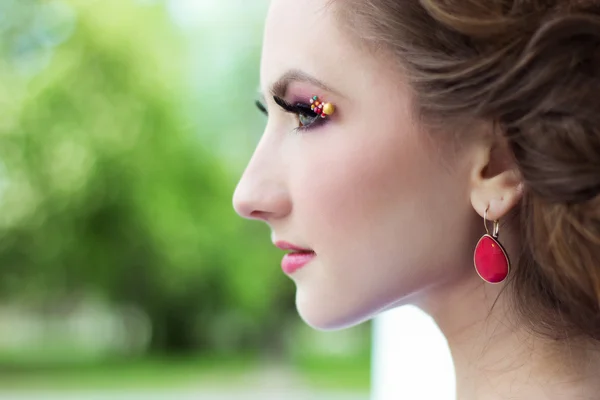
<point>496,184</point>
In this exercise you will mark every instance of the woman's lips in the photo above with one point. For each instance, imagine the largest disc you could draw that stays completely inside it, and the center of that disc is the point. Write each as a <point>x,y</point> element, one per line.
<point>296,259</point>
<point>292,262</point>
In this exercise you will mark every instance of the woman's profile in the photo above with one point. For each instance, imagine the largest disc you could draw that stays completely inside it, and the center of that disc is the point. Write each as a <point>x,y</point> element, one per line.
<point>444,154</point>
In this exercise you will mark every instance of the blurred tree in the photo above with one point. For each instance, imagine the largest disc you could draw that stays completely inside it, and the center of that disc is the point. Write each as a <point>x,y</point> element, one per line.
<point>106,187</point>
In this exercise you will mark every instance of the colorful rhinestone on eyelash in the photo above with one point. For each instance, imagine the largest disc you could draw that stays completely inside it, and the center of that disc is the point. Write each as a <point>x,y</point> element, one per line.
<point>323,109</point>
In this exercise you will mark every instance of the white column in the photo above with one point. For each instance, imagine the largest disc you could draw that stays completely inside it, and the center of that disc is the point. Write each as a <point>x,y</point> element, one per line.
<point>411,358</point>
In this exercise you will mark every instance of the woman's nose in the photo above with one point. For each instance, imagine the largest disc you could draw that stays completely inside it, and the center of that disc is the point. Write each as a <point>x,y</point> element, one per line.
<point>261,192</point>
<point>260,200</point>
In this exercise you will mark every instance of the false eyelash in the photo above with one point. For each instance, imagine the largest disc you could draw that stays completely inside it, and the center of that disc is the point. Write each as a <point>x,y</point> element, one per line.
<point>300,108</point>
<point>261,107</point>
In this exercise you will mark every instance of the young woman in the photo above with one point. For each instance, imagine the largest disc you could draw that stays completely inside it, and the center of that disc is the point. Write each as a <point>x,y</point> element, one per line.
<point>444,154</point>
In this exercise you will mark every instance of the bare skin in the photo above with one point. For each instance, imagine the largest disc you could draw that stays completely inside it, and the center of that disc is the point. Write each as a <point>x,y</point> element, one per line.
<point>392,214</point>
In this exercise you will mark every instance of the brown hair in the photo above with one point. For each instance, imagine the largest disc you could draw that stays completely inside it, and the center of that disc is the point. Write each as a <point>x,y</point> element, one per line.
<point>533,68</point>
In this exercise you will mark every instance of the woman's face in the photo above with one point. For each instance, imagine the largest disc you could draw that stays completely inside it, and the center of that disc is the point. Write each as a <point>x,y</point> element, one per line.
<point>384,208</point>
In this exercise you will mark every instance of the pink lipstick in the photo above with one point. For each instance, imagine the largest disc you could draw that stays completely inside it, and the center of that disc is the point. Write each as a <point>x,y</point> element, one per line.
<point>296,259</point>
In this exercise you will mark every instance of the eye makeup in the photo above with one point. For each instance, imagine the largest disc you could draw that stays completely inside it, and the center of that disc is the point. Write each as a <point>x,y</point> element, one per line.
<point>321,108</point>
<point>310,114</point>
<point>308,118</point>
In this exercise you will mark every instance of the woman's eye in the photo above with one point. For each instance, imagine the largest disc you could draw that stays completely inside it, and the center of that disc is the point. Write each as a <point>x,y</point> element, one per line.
<point>306,119</point>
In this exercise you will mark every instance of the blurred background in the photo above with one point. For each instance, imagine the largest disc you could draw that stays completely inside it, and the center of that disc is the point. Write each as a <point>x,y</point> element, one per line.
<point>124,271</point>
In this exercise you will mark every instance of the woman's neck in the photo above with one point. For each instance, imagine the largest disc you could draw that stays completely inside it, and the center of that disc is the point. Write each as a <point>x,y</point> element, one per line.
<point>495,359</point>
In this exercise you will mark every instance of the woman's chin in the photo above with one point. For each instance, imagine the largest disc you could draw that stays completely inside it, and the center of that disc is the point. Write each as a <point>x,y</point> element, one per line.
<point>329,317</point>
<point>326,322</point>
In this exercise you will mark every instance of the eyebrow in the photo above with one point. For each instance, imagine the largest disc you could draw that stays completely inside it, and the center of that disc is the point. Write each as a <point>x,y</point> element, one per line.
<point>280,87</point>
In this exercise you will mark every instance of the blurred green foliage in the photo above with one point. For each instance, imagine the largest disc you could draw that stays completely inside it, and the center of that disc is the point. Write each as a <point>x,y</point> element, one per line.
<point>109,185</point>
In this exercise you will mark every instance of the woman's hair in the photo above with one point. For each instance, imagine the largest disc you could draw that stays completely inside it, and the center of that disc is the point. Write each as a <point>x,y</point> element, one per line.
<point>532,68</point>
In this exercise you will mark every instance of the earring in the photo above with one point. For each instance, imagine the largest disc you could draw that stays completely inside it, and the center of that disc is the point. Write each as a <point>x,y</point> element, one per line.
<point>490,258</point>
<point>322,109</point>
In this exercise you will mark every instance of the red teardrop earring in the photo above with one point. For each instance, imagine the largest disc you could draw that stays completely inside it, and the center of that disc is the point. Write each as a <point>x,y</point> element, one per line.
<point>490,258</point>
